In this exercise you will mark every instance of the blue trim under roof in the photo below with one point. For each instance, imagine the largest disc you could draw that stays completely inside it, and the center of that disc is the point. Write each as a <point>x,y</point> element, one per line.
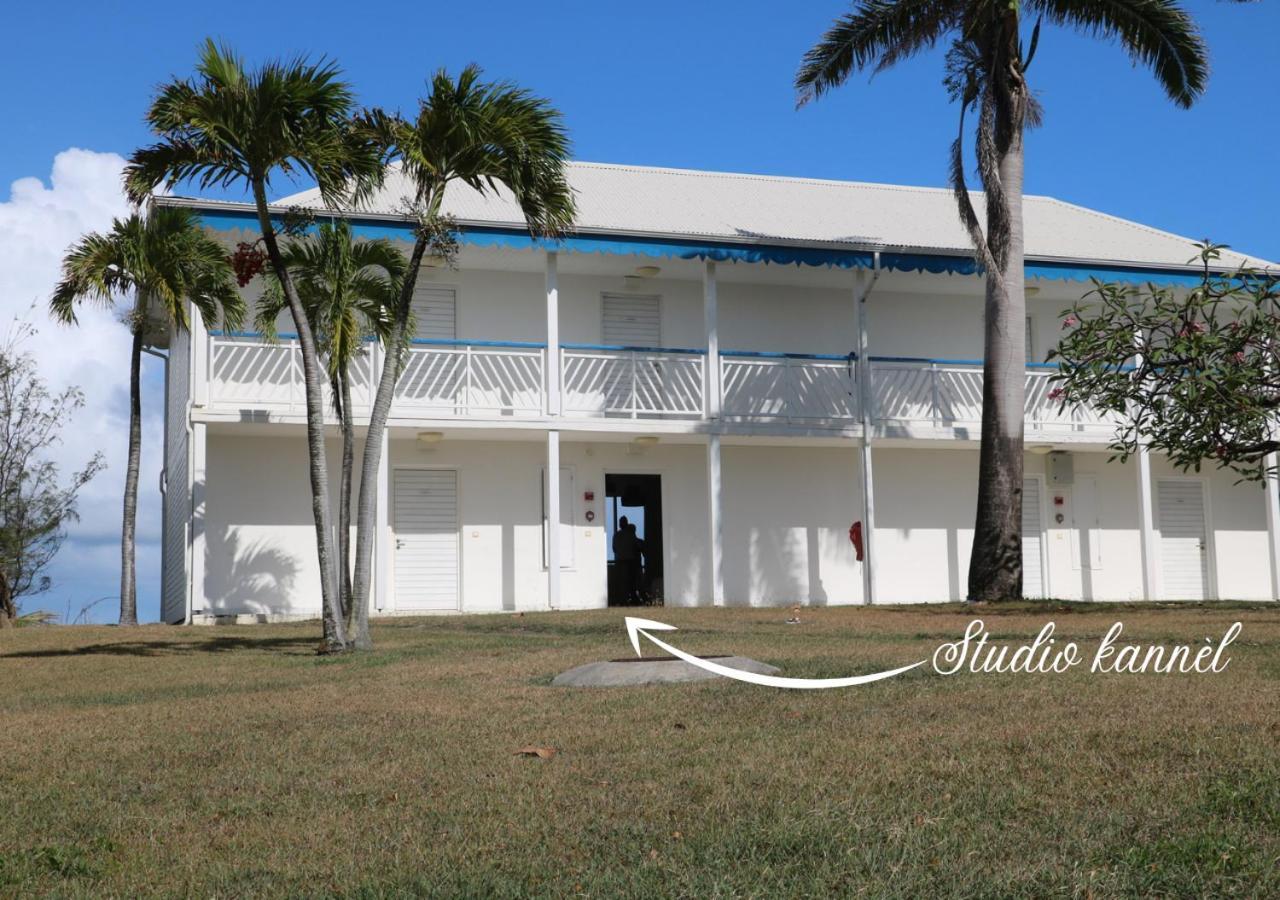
<point>720,251</point>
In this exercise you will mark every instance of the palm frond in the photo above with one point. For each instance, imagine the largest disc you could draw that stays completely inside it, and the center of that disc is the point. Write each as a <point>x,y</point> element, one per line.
<point>231,125</point>
<point>166,257</point>
<point>487,135</point>
<point>1157,33</point>
<point>877,34</point>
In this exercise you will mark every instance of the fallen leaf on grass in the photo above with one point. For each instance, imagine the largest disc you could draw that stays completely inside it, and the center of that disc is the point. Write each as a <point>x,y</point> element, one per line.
<point>540,752</point>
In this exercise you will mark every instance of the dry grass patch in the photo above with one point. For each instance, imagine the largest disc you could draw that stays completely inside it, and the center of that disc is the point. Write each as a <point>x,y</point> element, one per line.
<point>233,762</point>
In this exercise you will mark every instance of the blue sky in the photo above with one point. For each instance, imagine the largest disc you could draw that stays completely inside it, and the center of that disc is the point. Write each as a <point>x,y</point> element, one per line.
<point>702,85</point>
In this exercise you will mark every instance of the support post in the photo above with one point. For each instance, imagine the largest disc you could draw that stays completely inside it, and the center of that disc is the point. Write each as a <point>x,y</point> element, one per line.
<point>1272,487</point>
<point>715,519</point>
<point>199,513</point>
<point>711,321</point>
<point>861,292</point>
<point>383,539</point>
<point>553,335</point>
<point>201,350</point>
<point>553,519</point>
<point>1146,518</point>
<point>1146,524</point>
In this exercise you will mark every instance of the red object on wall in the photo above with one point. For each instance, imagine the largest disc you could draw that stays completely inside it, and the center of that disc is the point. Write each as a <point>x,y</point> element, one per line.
<point>855,537</point>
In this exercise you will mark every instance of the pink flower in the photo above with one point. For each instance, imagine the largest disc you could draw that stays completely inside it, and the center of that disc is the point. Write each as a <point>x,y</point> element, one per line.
<point>1056,394</point>
<point>1070,322</point>
<point>1238,356</point>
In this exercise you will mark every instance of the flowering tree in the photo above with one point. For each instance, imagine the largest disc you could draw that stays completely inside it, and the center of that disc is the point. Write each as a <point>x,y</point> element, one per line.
<point>1194,374</point>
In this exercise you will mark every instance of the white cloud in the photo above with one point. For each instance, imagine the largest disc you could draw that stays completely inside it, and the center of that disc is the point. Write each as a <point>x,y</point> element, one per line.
<point>38,223</point>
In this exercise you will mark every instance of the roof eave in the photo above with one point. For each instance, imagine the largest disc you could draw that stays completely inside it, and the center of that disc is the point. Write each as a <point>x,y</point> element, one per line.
<point>744,241</point>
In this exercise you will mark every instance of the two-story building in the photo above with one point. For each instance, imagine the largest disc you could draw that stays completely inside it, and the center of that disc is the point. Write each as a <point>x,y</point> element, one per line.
<point>741,366</point>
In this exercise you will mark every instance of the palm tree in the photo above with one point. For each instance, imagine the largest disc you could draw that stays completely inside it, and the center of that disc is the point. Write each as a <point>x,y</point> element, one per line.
<point>229,126</point>
<point>986,73</point>
<point>162,261</point>
<point>349,290</point>
<point>483,134</point>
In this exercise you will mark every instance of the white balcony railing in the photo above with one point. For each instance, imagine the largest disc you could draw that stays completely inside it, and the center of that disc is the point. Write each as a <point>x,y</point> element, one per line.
<point>632,382</point>
<point>472,378</point>
<point>788,387</point>
<point>493,379</point>
<point>948,394</point>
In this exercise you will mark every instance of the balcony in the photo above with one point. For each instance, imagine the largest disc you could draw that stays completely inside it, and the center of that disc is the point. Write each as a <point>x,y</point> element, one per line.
<point>506,380</point>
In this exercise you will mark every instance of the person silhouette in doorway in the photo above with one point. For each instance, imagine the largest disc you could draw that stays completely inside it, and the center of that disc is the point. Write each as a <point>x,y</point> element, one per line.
<point>626,556</point>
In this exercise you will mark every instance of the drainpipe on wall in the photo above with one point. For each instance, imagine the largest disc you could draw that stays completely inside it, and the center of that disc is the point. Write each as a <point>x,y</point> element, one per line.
<point>864,405</point>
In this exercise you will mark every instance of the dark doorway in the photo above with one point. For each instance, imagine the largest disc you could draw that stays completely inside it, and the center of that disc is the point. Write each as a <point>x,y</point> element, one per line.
<point>634,558</point>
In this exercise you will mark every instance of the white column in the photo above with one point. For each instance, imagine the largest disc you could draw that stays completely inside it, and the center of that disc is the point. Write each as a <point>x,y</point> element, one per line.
<point>553,519</point>
<point>383,538</point>
<point>200,352</point>
<point>715,519</point>
<point>1146,524</point>
<point>199,511</point>
<point>1272,487</point>
<point>712,325</point>
<point>1146,518</point>
<point>860,292</point>
<point>553,335</point>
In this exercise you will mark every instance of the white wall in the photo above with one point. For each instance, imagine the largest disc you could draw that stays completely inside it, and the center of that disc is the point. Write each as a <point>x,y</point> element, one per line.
<point>925,507</point>
<point>496,305</point>
<point>787,512</point>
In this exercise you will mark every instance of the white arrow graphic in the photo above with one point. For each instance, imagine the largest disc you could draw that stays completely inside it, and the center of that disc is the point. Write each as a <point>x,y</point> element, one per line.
<point>637,627</point>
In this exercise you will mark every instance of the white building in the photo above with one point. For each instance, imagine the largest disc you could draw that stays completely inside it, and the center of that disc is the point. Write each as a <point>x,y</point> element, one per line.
<point>745,365</point>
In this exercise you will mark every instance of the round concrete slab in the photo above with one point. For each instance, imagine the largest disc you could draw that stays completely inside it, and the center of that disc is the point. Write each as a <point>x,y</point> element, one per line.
<point>653,670</point>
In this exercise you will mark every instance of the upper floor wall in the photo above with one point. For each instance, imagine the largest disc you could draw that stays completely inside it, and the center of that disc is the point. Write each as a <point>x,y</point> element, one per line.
<point>501,296</point>
<point>633,344</point>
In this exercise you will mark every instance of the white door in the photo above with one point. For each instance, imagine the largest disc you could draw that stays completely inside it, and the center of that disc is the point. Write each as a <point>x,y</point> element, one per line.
<point>1184,558</point>
<point>1032,540</point>
<point>425,521</point>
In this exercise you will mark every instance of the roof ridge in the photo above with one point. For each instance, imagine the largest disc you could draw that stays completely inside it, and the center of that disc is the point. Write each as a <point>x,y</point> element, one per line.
<point>783,179</point>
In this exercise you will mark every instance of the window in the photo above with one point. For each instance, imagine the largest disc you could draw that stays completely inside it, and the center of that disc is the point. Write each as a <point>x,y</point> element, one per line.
<point>435,310</point>
<point>632,320</point>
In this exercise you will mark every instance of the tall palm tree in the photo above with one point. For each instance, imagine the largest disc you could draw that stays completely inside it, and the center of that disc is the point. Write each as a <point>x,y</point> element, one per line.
<point>482,134</point>
<point>161,261</point>
<point>986,73</point>
<point>229,126</point>
<point>349,290</point>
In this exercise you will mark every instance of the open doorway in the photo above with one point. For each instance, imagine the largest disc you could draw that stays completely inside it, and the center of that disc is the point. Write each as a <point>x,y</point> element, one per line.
<point>633,522</point>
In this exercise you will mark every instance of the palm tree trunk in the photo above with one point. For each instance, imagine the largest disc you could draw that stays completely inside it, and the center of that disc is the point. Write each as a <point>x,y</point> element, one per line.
<point>370,463</point>
<point>129,524</point>
<point>335,635</point>
<point>342,390</point>
<point>995,564</point>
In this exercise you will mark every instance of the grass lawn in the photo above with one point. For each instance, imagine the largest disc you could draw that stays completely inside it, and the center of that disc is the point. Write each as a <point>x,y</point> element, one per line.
<point>232,762</point>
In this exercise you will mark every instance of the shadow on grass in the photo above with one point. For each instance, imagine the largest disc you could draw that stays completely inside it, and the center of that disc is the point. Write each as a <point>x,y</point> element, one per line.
<point>221,644</point>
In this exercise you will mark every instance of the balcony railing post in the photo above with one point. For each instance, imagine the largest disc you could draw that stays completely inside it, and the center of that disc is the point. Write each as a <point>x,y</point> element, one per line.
<point>467,381</point>
<point>936,395</point>
<point>295,362</point>
<point>635,407</point>
<point>542,380</point>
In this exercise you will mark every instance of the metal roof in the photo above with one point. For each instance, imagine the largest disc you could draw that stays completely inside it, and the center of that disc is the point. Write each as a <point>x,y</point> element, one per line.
<point>765,209</point>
